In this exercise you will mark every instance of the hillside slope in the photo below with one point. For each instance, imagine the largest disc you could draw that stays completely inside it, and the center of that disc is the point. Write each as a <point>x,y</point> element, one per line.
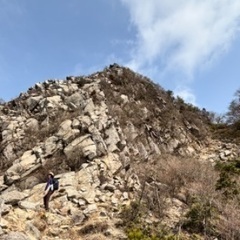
<point>114,139</point>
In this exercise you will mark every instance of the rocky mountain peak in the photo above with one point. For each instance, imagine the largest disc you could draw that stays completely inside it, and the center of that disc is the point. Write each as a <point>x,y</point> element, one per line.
<point>91,131</point>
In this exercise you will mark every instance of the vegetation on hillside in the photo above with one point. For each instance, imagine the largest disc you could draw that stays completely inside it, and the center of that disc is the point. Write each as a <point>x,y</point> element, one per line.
<point>229,129</point>
<point>163,109</point>
<point>209,194</point>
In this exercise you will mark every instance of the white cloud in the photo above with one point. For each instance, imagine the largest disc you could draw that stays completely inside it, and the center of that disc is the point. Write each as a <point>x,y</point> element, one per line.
<point>186,94</point>
<point>181,35</point>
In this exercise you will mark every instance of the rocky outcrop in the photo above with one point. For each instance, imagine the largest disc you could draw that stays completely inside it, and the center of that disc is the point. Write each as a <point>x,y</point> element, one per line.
<point>89,130</point>
<point>93,190</point>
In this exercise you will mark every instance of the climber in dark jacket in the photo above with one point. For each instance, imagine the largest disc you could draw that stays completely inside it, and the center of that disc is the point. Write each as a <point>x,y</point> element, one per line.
<point>48,190</point>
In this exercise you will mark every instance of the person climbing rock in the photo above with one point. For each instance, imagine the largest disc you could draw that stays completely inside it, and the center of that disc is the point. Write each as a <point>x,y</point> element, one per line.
<point>49,189</point>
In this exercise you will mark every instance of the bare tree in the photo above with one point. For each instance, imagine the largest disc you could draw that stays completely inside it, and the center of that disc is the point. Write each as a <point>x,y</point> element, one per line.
<point>229,222</point>
<point>233,113</point>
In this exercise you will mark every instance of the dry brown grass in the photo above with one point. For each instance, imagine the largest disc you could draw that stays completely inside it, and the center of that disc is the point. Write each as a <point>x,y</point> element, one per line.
<point>94,226</point>
<point>96,236</point>
<point>194,183</point>
<point>175,173</point>
<point>71,234</point>
<point>229,223</point>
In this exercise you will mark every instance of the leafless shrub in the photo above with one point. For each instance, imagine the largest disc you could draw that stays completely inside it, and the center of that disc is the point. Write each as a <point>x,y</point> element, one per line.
<point>176,173</point>
<point>96,236</point>
<point>94,227</point>
<point>184,178</point>
<point>72,234</point>
<point>229,222</point>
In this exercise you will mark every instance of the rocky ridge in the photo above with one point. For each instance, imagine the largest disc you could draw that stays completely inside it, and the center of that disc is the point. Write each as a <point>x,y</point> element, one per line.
<point>89,130</point>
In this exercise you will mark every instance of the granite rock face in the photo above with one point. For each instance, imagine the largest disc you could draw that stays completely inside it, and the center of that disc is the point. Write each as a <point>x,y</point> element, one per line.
<point>88,130</point>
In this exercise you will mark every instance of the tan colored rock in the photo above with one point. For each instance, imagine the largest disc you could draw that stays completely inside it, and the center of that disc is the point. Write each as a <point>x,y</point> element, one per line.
<point>51,145</point>
<point>88,176</point>
<point>153,147</point>
<point>89,107</point>
<point>32,102</point>
<point>66,132</point>
<point>30,182</point>
<point>124,98</point>
<point>88,193</point>
<point>32,123</point>
<point>28,205</point>
<point>130,131</point>
<point>36,194</point>
<point>33,231</point>
<point>83,145</point>
<point>53,102</point>
<point>174,211</point>
<point>77,99</point>
<point>9,152</point>
<point>91,208</point>
<point>15,236</point>
<point>72,193</point>
<point>112,138</point>
<point>112,162</point>
<point>67,179</point>
<point>13,197</point>
<point>85,122</point>
<point>172,144</point>
<point>22,167</point>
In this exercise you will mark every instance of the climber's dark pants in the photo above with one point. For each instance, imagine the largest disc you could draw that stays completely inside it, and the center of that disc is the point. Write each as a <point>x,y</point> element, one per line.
<point>46,199</point>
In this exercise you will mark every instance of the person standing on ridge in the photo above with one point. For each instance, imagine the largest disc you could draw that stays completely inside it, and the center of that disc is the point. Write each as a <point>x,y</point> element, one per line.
<point>49,189</point>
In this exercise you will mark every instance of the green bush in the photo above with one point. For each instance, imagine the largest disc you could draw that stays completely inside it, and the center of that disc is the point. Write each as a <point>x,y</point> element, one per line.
<point>132,214</point>
<point>200,217</point>
<point>228,181</point>
<point>139,234</point>
<point>134,217</point>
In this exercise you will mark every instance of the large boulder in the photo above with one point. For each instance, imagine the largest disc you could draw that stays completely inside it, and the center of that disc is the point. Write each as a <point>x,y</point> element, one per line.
<point>112,138</point>
<point>66,132</point>
<point>13,197</point>
<point>112,162</point>
<point>82,146</point>
<point>22,167</point>
<point>51,145</point>
<point>32,102</point>
<point>15,236</point>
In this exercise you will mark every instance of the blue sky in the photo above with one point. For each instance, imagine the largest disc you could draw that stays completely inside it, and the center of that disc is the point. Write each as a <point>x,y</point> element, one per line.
<point>191,48</point>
